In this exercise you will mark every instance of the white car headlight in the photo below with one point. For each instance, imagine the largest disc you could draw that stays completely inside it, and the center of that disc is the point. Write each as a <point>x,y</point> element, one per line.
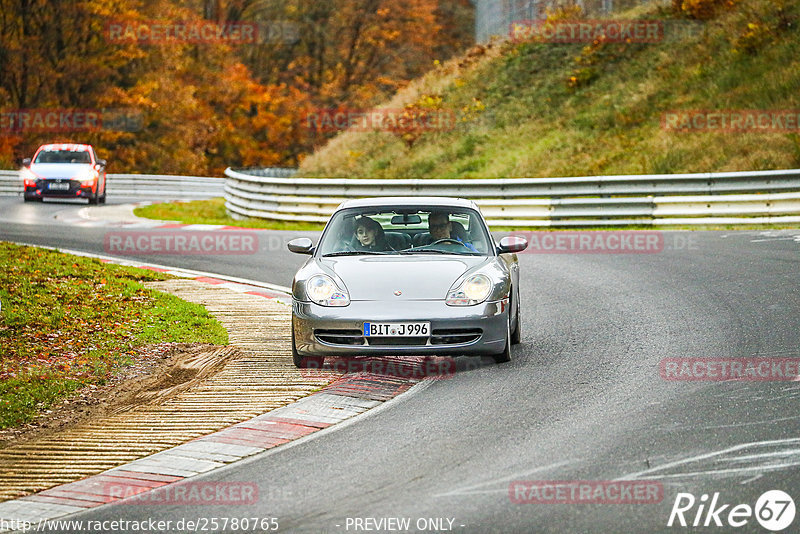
<point>322,290</point>
<point>473,290</point>
<point>87,177</point>
<point>28,175</point>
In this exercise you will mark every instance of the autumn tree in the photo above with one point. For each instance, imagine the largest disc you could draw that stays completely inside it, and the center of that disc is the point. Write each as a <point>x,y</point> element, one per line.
<point>204,106</point>
<point>352,51</point>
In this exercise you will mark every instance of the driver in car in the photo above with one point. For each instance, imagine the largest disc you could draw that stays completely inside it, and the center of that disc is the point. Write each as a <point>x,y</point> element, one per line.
<point>440,227</point>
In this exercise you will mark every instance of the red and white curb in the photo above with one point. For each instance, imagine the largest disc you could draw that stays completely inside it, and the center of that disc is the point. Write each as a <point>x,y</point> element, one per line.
<point>351,395</point>
<point>345,398</point>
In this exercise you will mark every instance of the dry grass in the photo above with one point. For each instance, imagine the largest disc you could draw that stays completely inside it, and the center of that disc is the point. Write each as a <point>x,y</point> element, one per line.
<point>535,124</point>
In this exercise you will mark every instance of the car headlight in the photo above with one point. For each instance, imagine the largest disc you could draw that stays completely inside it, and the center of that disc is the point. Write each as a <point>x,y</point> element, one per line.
<point>28,176</point>
<point>473,290</point>
<point>87,177</point>
<point>322,290</point>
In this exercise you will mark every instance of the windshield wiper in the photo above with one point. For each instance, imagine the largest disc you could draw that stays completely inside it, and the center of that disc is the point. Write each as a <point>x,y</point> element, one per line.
<point>437,251</point>
<point>355,253</point>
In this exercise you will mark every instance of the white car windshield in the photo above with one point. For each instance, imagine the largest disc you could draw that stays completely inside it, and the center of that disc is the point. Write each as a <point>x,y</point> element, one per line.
<point>63,156</point>
<point>405,231</point>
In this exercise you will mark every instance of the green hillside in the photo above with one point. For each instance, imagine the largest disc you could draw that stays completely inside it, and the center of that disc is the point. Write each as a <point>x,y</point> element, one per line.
<point>536,109</point>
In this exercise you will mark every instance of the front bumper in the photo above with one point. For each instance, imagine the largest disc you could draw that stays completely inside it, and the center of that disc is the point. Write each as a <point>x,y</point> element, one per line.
<point>456,330</point>
<point>42,189</point>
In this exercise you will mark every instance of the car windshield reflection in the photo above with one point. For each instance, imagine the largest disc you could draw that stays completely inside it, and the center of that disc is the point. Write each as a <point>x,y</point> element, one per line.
<point>63,156</point>
<point>406,231</point>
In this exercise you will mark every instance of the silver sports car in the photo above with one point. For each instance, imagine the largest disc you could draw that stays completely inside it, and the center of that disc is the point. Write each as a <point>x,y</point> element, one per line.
<point>406,276</point>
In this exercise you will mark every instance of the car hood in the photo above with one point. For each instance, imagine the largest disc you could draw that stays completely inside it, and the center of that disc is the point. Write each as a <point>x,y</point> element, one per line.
<point>60,170</point>
<point>418,277</point>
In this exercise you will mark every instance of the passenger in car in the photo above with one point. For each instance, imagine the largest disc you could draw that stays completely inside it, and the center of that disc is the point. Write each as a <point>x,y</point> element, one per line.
<point>369,235</point>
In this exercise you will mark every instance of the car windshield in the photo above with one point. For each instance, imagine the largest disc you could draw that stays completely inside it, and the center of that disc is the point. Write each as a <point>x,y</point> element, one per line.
<point>404,230</point>
<point>63,156</point>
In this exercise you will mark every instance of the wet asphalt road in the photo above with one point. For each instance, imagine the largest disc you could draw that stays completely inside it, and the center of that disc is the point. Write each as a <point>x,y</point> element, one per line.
<point>583,398</point>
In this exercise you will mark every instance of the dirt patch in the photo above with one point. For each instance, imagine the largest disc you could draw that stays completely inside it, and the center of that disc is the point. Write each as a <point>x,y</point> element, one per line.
<point>160,372</point>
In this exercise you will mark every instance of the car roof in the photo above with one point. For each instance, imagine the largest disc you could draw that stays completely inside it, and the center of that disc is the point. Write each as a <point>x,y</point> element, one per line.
<point>428,202</point>
<point>76,147</point>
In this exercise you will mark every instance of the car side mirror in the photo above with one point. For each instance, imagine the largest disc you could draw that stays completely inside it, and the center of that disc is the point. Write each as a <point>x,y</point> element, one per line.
<point>510,244</point>
<point>102,162</point>
<point>26,162</point>
<point>301,245</point>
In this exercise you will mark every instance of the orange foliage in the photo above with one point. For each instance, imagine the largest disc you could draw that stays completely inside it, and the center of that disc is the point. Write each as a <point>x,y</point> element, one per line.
<point>702,9</point>
<point>200,107</point>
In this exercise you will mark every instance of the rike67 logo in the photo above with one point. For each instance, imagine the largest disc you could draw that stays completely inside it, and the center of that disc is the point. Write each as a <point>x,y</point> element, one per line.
<point>774,511</point>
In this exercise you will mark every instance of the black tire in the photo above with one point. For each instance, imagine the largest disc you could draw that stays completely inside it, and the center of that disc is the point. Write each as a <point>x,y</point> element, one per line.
<point>505,356</point>
<point>29,199</point>
<point>305,362</point>
<point>102,199</point>
<point>516,335</point>
<point>93,200</point>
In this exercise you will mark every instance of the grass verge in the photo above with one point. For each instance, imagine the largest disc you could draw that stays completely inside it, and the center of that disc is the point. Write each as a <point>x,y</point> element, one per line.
<point>213,212</point>
<point>68,322</point>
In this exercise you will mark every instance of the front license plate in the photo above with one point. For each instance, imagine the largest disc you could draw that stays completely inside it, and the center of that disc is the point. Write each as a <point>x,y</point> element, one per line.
<point>58,187</point>
<point>397,329</point>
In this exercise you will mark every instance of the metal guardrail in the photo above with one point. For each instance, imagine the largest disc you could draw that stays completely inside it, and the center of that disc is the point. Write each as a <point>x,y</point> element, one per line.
<point>10,184</point>
<point>165,186</point>
<point>668,199</point>
<point>155,186</point>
